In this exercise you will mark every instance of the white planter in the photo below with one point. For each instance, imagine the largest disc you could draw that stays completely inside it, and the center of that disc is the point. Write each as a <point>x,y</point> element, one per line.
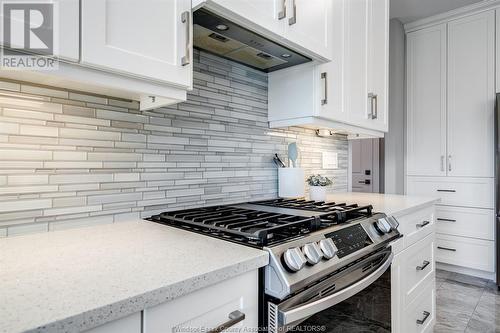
<point>291,182</point>
<point>317,193</point>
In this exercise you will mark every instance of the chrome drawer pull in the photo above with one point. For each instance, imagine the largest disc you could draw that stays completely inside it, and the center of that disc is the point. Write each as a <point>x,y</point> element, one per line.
<point>426,315</point>
<point>282,13</point>
<point>446,220</point>
<point>450,191</point>
<point>234,318</point>
<point>293,20</point>
<point>423,224</point>
<point>447,249</point>
<point>325,78</point>
<point>186,19</point>
<point>424,265</point>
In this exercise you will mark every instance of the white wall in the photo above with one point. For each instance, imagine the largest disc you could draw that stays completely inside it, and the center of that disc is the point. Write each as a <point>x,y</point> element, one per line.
<point>395,138</point>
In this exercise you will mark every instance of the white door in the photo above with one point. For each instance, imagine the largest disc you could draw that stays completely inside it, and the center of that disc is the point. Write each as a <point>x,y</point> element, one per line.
<point>471,95</point>
<point>378,62</point>
<point>150,39</point>
<point>66,29</point>
<point>355,60</point>
<point>268,14</point>
<point>365,165</point>
<point>307,25</point>
<point>426,101</point>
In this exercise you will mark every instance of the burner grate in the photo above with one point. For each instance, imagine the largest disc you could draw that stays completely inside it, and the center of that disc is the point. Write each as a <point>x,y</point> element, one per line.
<point>241,225</point>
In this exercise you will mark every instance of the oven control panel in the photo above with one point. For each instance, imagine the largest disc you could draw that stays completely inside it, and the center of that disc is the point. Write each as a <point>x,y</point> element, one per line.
<point>349,240</point>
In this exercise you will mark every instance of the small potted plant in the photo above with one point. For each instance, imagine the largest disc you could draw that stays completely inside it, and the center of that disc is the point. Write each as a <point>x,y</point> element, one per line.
<point>318,186</point>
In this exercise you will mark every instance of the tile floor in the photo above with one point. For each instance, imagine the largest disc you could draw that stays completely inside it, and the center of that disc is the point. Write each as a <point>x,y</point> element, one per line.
<point>466,304</point>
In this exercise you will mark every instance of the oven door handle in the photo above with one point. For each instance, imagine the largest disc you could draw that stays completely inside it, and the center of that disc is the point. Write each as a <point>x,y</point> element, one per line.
<point>305,311</point>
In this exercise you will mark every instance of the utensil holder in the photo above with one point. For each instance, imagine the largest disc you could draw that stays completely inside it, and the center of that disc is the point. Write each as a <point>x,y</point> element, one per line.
<point>291,182</point>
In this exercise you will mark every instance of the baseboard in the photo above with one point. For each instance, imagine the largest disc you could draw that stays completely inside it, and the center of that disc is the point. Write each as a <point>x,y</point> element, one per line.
<point>466,271</point>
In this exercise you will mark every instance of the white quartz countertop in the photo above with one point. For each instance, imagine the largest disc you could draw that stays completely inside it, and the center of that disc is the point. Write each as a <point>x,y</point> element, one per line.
<point>72,280</point>
<point>390,204</point>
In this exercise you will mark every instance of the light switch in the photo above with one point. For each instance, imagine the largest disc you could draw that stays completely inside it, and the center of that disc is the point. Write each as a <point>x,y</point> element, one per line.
<point>330,160</point>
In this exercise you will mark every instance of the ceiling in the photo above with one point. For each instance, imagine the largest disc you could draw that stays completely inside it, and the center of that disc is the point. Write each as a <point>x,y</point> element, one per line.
<point>411,10</point>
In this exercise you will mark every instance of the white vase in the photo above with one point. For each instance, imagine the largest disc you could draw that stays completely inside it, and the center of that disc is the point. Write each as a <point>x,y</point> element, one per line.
<point>317,193</point>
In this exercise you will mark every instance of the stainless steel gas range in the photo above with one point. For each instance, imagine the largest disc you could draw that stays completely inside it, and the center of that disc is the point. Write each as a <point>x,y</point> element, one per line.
<point>322,256</point>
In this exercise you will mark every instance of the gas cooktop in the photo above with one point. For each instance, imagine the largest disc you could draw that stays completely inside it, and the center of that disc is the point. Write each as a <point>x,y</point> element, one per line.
<point>264,223</point>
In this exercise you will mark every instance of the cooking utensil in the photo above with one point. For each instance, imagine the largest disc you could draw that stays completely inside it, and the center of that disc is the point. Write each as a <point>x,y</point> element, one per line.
<point>293,153</point>
<point>278,161</point>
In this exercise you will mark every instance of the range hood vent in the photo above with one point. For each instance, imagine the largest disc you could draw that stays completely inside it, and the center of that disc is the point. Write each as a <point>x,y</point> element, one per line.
<point>221,37</point>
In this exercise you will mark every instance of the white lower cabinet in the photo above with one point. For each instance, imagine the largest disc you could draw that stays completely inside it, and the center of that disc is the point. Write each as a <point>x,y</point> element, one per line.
<point>413,274</point>
<point>466,252</point>
<point>234,300</point>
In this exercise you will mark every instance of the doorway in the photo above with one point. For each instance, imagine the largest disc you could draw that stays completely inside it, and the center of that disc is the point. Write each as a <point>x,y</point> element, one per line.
<point>365,170</point>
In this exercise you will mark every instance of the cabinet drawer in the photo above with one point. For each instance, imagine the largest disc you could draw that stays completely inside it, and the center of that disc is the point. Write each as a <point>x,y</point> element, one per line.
<point>420,315</point>
<point>465,252</point>
<point>467,222</point>
<point>208,308</point>
<point>417,225</point>
<point>453,191</point>
<point>417,268</point>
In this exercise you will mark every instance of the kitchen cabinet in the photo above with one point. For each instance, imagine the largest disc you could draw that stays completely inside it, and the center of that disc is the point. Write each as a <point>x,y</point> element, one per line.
<point>232,303</point>
<point>348,94</point>
<point>471,95</point>
<point>297,24</point>
<point>149,39</point>
<point>66,26</point>
<point>450,140</point>
<point>450,103</point>
<point>122,49</point>
<point>426,106</point>
<point>413,273</point>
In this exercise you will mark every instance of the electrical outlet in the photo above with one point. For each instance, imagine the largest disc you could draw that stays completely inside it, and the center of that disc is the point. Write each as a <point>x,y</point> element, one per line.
<point>330,160</point>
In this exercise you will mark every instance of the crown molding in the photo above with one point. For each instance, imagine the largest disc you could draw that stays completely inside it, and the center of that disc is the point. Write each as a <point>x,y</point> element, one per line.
<point>452,14</point>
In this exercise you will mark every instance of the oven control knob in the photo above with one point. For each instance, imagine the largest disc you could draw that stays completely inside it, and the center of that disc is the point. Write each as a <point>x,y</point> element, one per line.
<point>294,259</point>
<point>312,252</point>
<point>328,248</point>
<point>382,226</point>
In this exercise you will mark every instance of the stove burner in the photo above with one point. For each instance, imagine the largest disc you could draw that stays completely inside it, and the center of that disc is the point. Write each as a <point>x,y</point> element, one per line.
<point>336,213</point>
<point>247,226</point>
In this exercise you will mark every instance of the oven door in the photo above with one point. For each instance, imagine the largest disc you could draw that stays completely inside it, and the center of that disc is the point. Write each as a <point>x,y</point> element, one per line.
<point>285,315</point>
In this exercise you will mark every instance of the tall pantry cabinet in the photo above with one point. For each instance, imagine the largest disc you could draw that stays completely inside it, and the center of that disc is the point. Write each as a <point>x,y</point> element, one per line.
<point>450,134</point>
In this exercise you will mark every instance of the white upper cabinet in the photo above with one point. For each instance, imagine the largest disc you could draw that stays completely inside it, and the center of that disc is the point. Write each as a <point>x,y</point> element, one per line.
<point>426,101</point>
<point>149,39</point>
<point>335,94</point>
<point>307,24</point>
<point>471,95</point>
<point>366,63</point>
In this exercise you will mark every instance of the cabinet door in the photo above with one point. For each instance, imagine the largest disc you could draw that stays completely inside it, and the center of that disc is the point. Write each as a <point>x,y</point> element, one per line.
<point>268,14</point>
<point>149,39</point>
<point>471,95</point>
<point>355,60</point>
<point>426,101</point>
<point>307,25</point>
<point>378,62</point>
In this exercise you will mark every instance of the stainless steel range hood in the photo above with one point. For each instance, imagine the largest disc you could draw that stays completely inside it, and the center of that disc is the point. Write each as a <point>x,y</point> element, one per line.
<point>220,36</point>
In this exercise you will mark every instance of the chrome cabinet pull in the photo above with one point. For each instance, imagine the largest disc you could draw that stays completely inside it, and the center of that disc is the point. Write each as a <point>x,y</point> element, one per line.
<point>447,249</point>
<point>446,220</point>
<point>424,265</point>
<point>426,315</point>
<point>449,163</point>
<point>292,20</point>
<point>423,224</point>
<point>234,318</point>
<point>450,191</point>
<point>186,19</point>
<point>325,91</point>
<point>442,163</point>
<point>282,13</point>
<point>373,106</point>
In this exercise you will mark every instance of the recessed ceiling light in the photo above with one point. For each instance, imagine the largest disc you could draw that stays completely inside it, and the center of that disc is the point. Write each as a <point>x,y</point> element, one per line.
<point>286,55</point>
<point>221,27</point>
